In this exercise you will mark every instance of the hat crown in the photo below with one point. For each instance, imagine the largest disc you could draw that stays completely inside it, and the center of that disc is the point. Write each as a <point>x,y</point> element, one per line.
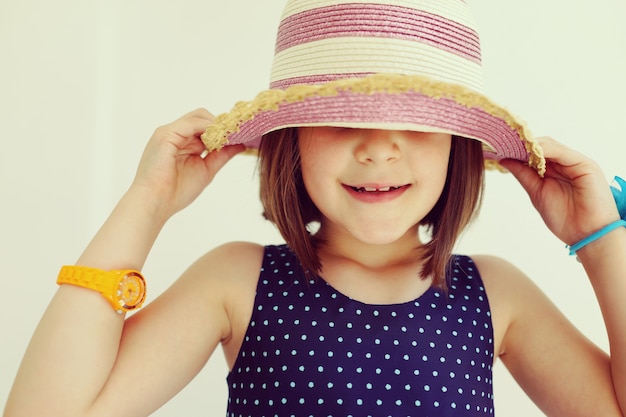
<point>380,64</point>
<point>324,40</point>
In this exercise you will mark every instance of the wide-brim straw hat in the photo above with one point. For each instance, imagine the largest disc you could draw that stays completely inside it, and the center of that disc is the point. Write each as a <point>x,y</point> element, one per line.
<point>385,64</point>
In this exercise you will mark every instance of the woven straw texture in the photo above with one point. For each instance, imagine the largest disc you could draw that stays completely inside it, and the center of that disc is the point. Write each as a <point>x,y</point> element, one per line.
<point>395,64</point>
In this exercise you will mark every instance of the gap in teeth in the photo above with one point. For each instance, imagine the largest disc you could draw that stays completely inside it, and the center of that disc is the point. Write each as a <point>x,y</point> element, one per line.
<point>372,189</point>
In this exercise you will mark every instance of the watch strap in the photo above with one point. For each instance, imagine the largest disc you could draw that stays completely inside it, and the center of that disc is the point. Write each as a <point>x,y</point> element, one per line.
<point>91,278</point>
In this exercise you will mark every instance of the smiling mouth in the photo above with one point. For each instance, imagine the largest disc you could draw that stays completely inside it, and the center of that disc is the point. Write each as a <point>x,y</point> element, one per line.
<point>376,190</point>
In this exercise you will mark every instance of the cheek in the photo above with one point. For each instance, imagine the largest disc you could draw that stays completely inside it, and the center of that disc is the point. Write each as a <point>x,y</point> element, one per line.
<point>308,165</point>
<point>444,160</point>
<point>316,184</point>
<point>319,177</point>
<point>442,166</point>
<point>443,148</point>
<point>432,157</point>
<point>309,154</point>
<point>317,158</point>
<point>310,169</point>
<point>431,163</point>
<point>441,153</point>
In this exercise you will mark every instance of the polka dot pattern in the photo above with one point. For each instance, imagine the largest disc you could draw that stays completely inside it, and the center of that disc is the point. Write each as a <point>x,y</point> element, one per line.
<point>311,351</point>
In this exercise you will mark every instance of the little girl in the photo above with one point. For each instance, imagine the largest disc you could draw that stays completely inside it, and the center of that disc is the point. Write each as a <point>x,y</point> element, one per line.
<point>372,142</point>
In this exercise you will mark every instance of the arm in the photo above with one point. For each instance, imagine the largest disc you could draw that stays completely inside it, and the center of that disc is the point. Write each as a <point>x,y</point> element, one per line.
<point>574,200</point>
<point>560,369</point>
<point>75,349</point>
<point>605,264</point>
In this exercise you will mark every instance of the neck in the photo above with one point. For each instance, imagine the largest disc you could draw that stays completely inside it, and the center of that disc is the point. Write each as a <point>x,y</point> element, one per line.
<point>373,273</point>
<point>344,246</point>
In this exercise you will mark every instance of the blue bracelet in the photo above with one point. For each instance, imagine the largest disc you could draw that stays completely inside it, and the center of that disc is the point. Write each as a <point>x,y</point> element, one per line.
<point>595,236</point>
<point>618,189</point>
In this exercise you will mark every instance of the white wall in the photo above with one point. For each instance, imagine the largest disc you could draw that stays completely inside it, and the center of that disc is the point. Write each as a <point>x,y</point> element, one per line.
<point>84,84</point>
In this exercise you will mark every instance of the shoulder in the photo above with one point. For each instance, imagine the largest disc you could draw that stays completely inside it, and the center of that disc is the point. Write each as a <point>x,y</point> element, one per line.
<point>504,282</point>
<point>499,275</point>
<point>234,256</point>
<point>224,270</point>
<point>226,278</point>
<point>229,266</point>
<point>512,295</point>
<point>231,273</point>
<point>224,267</point>
<point>501,278</point>
<point>520,309</point>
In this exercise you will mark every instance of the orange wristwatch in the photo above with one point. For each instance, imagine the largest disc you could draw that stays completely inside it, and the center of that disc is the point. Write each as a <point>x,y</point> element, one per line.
<point>124,289</point>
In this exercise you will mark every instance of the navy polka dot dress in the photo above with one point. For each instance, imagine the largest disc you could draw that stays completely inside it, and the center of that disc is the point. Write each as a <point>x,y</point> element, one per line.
<point>311,351</point>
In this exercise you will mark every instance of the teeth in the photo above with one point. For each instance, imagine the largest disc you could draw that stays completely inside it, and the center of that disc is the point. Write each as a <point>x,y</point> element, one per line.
<point>373,189</point>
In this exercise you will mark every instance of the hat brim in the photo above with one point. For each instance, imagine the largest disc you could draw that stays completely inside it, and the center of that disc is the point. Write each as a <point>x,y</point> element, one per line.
<point>381,101</point>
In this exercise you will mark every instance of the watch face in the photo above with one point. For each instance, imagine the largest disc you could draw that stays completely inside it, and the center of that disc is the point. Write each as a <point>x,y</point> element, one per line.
<point>131,291</point>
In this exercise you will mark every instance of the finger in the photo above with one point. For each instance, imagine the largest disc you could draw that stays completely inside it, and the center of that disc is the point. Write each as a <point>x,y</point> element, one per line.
<point>525,175</point>
<point>193,146</point>
<point>190,126</point>
<point>217,159</point>
<point>558,153</point>
<point>192,123</point>
<point>200,112</point>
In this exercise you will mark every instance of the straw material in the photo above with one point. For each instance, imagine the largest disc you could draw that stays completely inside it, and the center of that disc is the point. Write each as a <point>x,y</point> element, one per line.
<point>386,64</point>
<point>229,124</point>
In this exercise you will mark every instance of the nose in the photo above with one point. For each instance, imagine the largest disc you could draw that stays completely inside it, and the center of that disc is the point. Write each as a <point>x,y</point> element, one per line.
<point>377,146</point>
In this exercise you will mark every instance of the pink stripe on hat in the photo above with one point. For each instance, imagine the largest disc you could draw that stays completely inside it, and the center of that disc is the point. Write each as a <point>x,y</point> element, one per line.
<point>382,64</point>
<point>315,79</point>
<point>388,111</point>
<point>379,20</point>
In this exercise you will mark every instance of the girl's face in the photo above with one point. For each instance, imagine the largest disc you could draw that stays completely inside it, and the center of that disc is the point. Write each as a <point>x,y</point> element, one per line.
<point>373,185</point>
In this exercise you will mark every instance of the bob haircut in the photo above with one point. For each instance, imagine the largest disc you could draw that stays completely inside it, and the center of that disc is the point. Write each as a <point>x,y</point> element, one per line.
<point>287,204</point>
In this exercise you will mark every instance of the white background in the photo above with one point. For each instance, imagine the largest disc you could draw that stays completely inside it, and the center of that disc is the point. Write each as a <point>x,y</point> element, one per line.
<point>84,83</point>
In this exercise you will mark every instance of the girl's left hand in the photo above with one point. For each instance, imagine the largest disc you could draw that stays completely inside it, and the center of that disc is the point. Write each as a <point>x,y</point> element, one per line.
<point>573,198</point>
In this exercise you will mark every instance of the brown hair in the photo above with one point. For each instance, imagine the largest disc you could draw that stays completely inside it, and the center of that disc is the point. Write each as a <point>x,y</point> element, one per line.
<point>287,204</point>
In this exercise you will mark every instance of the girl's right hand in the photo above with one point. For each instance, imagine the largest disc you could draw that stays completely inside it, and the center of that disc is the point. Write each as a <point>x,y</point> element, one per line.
<point>172,169</point>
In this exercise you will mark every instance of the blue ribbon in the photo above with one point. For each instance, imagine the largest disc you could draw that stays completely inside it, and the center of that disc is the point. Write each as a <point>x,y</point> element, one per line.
<point>618,188</point>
